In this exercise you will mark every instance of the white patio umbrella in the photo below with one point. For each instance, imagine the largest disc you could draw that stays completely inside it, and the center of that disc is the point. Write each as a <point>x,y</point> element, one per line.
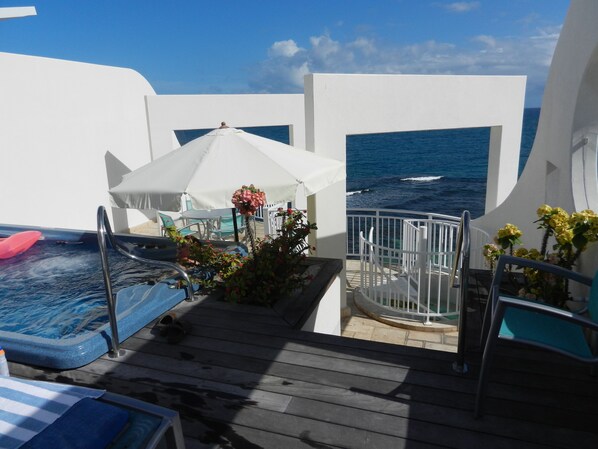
<point>210,168</point>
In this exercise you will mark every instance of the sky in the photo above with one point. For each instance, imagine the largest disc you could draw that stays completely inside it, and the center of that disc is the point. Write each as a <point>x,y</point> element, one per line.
<point>267,46</point>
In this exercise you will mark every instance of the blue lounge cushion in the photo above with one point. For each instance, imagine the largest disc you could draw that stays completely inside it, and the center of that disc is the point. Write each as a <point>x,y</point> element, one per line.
<point>593,304</point>
<point>535,327</point>
<point>141,426</point>
<point>89,424</point>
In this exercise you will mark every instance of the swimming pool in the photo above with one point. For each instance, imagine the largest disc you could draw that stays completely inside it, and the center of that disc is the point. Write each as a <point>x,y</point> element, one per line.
<point>53,309</point>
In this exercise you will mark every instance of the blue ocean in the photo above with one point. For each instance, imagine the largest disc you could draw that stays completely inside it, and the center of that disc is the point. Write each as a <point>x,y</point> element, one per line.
<point>428,171</point>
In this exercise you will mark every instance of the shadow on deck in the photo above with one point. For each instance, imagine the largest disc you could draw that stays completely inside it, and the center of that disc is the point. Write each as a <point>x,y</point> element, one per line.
<point>244,379</point>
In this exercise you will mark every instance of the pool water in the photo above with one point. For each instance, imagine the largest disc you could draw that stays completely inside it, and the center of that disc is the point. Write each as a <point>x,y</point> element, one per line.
<point>56,289</point>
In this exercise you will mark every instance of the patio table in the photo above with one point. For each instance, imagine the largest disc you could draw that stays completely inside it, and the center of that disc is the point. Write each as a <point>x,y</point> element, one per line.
<point>209,218</point>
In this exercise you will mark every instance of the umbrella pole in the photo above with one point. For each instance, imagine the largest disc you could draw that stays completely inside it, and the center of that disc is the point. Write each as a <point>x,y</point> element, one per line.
<point>235,226</point>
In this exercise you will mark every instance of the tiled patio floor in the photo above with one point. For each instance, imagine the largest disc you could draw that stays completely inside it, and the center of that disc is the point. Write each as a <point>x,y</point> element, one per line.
<point>359,325</point>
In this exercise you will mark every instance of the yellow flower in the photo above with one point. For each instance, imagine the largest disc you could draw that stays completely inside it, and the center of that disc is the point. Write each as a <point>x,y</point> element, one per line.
<point>593,222</point>
<point>544,210</point>
<point>534,254</point>
<point>490,250</point>
<point>564,237</point>
<point>561,214</point>
<point>558,221</point>
<point>509,230</point>
<point>521,252</point>
<point>585,217</point>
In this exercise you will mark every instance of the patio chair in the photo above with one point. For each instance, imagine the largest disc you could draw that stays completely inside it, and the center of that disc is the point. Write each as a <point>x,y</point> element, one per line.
<point>224,228</point>
<point>537,324</point>
<point>189,207</point>
<point>194,228</point>
<point>82,417</point>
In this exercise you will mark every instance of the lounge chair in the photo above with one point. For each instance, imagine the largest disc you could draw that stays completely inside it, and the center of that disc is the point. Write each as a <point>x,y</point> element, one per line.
<point>38,415</point>
<point>535,323</point>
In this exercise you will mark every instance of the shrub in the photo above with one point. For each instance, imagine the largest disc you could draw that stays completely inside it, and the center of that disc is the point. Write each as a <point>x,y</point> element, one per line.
<point>571,233</point>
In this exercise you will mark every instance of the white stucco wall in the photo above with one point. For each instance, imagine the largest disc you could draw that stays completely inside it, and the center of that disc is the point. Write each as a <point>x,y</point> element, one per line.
<point>321,320</point>
<point>58,119</point>
<point>362,104</point>
<point>178,112</point>
<point>560,170</point>
<point>341,105</point>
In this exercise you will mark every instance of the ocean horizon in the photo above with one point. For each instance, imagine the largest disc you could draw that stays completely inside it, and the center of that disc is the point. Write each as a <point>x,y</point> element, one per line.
<point>440,171</point>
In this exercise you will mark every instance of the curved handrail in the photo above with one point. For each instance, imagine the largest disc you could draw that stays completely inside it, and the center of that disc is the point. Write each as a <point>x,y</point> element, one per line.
<point>461,265</point>
<point>412,282</point>
<point>105,233</point>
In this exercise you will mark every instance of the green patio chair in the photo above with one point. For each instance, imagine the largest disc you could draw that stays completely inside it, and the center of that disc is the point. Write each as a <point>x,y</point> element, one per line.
<point>224,228</point>
<point>537,324</point>
<point>195,228</point>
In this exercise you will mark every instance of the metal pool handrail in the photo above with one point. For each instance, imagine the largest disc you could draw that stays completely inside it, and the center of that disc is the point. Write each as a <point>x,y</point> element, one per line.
<point>461,265</point>
<point>105,233</point>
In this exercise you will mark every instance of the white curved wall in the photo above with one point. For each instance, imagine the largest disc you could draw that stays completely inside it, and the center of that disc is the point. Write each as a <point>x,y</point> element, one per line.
<point>58,119</point>
<point>561,169</point>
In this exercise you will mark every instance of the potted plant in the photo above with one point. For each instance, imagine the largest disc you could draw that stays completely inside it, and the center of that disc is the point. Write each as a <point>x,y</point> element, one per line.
<point>272,269</point>
<point>572,233</point>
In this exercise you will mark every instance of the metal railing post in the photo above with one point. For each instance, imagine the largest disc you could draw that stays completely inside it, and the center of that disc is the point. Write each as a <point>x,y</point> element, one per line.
<point>103,229</point>
<point>104,235</point>
<point>462,265</point>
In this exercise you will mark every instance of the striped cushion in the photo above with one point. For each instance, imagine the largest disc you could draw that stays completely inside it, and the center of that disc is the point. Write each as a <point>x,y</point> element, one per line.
<point>28,407</point>
<point>89,424</point>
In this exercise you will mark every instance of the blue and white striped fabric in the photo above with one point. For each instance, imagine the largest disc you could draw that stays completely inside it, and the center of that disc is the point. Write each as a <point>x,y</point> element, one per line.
<point>28,407</point>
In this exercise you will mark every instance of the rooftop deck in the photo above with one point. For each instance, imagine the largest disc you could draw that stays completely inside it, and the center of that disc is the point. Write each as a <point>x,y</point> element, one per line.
<point>244,379</point>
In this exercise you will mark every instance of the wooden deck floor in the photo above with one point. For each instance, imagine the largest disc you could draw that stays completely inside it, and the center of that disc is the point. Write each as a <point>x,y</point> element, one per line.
<point>244,379</point>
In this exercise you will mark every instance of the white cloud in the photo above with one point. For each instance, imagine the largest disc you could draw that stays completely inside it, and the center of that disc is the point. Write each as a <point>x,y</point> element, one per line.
<point>363,45</point>
<point>283,48</point>
<point>486,40</point>
<point>461,6</point>
<point>287,62</point>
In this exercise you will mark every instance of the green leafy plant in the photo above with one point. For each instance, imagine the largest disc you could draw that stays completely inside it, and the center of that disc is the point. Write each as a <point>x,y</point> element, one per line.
<point>274,268</point>
<point>572,233</point>
<point>506,238</point>
<point>270,272</point>
<point>205,264</point>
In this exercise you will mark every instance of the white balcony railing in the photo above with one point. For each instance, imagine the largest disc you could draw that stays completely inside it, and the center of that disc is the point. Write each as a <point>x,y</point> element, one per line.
<point>406,260</point>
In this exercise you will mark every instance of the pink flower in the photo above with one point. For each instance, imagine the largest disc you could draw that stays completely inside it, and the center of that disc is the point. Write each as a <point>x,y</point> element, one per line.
<point>248,199</point>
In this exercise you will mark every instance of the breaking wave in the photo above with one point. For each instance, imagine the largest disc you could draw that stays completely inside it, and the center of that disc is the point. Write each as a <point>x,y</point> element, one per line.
<point>423,178</point>
<point>357,192</point>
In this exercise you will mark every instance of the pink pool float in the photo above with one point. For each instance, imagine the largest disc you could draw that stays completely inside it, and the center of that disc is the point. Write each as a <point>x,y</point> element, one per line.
<point>18,243</point>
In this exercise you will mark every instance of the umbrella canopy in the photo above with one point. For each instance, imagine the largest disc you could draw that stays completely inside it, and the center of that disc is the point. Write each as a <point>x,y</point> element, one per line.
<point>210,168</point>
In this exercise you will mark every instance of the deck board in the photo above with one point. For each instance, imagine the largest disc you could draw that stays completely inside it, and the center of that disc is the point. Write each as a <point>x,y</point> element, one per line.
<point>244,379</point>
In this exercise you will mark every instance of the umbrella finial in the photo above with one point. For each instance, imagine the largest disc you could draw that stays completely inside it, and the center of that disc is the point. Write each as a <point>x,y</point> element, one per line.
<point>223,125</point>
